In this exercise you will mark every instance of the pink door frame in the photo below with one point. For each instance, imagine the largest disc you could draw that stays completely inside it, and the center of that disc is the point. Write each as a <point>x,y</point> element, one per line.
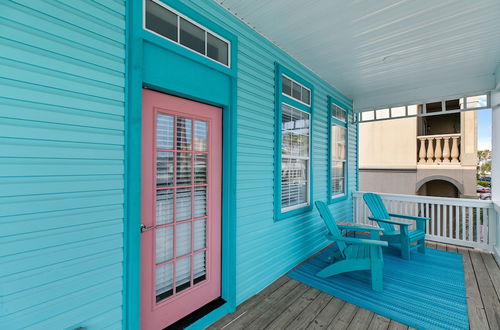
<point>159,315</point>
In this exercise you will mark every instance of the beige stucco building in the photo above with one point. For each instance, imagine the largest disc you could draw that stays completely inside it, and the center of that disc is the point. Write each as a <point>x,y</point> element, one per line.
<point>433,155</point>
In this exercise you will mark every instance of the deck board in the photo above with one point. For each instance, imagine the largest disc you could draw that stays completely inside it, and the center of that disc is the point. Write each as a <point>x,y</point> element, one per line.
<point>288,304</point>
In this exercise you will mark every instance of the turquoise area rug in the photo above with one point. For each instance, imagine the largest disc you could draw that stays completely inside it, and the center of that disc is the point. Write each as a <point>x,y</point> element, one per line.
<point>426,292</point>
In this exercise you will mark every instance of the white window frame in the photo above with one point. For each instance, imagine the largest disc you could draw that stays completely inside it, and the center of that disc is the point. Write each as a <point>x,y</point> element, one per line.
<point>179,15</point>
<point>308,194</point>
<point>332,160</point>
<point>290,96</point>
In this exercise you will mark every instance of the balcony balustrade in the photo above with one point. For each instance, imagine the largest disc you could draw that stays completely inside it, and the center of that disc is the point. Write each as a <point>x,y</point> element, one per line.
<point>439,149</point>
<point>459,221</point>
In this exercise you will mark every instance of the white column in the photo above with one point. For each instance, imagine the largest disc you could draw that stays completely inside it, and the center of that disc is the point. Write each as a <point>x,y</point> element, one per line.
<point>495,145</point>
<point>495,161</point>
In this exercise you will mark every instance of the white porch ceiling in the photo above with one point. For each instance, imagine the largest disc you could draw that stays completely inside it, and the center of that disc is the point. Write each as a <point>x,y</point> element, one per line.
<point>386,53</point>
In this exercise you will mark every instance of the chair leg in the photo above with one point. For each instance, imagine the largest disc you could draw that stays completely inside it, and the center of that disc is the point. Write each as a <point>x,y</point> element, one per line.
<point>377,270</point>
<point>421,246</point>
<point>405,248</point>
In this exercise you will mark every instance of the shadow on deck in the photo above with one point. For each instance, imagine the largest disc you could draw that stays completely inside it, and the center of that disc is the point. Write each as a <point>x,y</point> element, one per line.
<point>288,304</point>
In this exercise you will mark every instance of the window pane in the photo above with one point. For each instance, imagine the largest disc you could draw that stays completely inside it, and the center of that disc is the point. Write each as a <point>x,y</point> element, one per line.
<point>200,169</point>
<point>200,135</point>
<point>164,131</point>
<point>338,142</point>
<point>183,239</point>
<point>338,178</point>
<point>306,96</point>
<point>338,113</point>
<point>217,49</point>
<point>164,281</point>
<point>295,132</point>
<point>164,246</point>
<point>295,157</point>
<point>164,169</point>
<point>286,86</point>
<point>161,20</point>
<point>183,133</point>
<point>398,112</point>
<point>296,91</point>
<point>164,206</point>
<point>382,113</point>
<point>294,181</point>
<point>367,115</point>
<point>183,204</point>
<point>192,36</point>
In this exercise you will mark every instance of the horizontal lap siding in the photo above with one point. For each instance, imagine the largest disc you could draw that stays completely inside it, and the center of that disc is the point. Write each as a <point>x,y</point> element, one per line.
<point>61,163</point>
<point>267,249</point>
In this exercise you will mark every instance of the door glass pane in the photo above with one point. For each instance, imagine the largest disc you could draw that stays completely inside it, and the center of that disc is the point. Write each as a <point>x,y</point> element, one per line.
<point>164,246</point>
<point>183,134</point>
<point>164,131</point>
<point>164,169</point>
<point>161,20</point>
<point>183,169</point>
<point>164,206</point>
<point>183,204</point>
<point>200,169</point>
<point>192,36</point>
<point>183,239</point>
<point>182,274</point>
<point>200,135</point>
<point>200,202</point>
<point>199,267</point>
<point>217,49</point>
<point>199,234</point>
<point>164,281</point>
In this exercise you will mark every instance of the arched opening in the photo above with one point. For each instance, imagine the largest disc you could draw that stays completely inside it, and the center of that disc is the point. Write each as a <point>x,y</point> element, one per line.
<point>438,188</point>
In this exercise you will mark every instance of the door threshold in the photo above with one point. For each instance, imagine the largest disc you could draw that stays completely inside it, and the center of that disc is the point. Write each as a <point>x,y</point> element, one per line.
<point>196,315</point>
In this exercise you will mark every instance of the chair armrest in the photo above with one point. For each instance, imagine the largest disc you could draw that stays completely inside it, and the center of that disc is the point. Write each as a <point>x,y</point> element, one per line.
<point>409,217</point>
<point>357,240</point>
<point>398,223</point>
<point>360,228</point>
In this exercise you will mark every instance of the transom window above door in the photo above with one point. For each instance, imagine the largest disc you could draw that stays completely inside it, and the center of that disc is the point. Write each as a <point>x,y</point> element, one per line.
<point>169,24</point>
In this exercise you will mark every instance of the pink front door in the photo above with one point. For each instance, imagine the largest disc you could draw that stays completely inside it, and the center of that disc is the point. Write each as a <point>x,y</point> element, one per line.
<point>181,207</point>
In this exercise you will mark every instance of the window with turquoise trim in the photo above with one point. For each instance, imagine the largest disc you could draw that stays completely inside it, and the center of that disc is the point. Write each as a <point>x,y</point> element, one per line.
<point>292,174</point>
<point>338,151</point>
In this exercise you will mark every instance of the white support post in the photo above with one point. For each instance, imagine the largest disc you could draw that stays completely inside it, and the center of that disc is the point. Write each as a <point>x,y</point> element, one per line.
<point>495,164</point>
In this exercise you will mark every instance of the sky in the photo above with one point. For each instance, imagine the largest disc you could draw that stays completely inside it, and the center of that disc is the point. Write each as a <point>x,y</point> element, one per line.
<point>484,129</point>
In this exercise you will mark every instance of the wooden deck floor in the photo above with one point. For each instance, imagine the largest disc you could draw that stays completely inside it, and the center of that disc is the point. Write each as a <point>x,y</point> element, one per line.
<point>288,304</point>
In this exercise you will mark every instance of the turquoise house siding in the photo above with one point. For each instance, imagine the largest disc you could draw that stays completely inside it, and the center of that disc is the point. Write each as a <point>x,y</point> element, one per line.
<point>267,249</point>
<point>62,104</point>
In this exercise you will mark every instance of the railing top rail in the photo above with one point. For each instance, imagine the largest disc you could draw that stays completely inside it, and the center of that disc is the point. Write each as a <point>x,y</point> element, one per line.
<point>433,200</point>
<point>439,135</point>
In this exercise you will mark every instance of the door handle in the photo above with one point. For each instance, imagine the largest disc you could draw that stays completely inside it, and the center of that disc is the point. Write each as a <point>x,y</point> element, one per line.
<point>145,228</point>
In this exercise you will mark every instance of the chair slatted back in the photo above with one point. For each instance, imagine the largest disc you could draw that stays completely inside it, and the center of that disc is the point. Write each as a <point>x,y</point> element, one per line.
<point>378,210</point>
<point>330,223</point>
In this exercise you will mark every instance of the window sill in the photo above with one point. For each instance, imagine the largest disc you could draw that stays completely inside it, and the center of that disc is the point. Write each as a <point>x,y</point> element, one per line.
<point>287,214</point>
<point>337,199</point>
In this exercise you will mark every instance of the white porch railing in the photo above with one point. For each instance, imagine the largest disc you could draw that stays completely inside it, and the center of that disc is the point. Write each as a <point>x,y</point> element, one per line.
<point>460,221</point>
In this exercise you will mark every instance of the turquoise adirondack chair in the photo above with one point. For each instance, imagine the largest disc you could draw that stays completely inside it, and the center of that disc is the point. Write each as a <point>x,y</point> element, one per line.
<point>354,253</point>
<point>402,236</point>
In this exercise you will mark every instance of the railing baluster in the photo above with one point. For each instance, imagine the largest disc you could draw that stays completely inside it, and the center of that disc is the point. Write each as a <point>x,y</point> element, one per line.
<point>438,211</point>
<point>476,224</point>
<point>444,210</point>
<point>455,219</point>
<point>463,219</point>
